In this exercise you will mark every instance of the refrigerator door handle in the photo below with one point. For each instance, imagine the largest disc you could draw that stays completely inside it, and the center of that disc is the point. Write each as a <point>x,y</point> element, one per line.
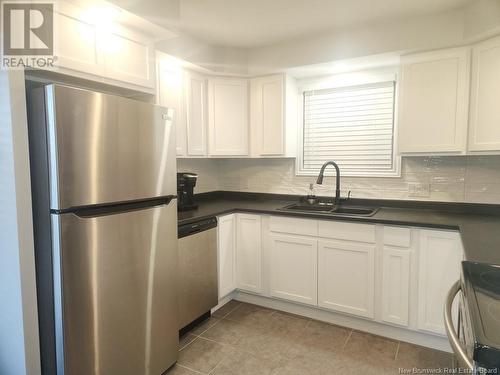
<point>115,208</point>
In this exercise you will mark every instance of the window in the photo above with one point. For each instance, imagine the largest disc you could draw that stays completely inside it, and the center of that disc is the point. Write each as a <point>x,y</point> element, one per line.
<point>353,126</point>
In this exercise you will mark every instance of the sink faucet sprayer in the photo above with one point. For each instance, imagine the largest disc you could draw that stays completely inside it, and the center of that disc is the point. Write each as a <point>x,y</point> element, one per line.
<point>337,178</point>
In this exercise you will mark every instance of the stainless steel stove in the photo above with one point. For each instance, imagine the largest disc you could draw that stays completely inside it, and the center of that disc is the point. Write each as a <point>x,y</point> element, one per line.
<point>477,343</point>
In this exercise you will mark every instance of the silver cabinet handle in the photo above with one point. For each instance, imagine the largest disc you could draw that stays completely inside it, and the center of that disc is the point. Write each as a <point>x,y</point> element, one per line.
<point>450,330</point>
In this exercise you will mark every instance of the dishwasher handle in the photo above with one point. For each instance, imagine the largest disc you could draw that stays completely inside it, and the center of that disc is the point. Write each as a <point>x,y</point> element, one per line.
<point>196,227</point>
<point>450,330</point>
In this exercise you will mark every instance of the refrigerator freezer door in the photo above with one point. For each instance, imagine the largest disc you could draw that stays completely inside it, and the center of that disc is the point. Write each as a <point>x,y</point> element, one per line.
<point>115,292</point>
<point>105,148</point>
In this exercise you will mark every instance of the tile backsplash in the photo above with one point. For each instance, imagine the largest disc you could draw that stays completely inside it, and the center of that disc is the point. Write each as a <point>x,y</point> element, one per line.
<point>452,178</point>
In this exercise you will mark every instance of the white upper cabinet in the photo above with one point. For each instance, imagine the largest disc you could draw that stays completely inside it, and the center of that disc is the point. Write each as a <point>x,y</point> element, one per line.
<point>106,51</point>
<point>433,105</point>
<point>196,113</point>
<point>77,41</point>
<point>484,127</point>
<point>129,57</point>
<point>267,115</point>
<point>228,131</point>
<point>273,116</point>
<point>440,255</point>
<point>170,94</point>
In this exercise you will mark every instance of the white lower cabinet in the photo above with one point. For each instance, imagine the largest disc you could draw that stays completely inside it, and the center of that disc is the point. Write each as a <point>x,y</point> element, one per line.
<point>346,277</point>
<point>226,250</point>
<point>395,285</point>
<point>389,274</point>
<point>440,256</point>
<point>293,268</point>
<point>248,252</point>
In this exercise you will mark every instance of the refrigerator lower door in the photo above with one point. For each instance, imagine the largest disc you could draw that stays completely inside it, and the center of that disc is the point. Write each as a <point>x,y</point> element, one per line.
<point>115,292</point>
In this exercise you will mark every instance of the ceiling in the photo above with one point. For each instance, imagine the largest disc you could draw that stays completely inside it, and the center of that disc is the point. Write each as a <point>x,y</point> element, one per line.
<point>256,23</point>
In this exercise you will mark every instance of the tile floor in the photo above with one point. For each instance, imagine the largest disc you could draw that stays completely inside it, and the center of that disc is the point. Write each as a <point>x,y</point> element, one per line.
<point>246,339</point>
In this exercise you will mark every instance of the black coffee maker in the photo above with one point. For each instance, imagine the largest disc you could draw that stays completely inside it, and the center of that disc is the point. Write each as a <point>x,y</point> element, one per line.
<point>186,182</point>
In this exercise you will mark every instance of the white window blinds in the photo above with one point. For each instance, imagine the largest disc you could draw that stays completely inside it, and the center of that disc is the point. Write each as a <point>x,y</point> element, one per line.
<point>353,126</point>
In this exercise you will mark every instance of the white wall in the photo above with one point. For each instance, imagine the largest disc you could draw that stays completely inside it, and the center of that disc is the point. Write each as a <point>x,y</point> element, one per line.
<point>424,32</point>
<point>479,19</point>
<point>218,60</point>
<point>19,345</point>
<point>207,170</point>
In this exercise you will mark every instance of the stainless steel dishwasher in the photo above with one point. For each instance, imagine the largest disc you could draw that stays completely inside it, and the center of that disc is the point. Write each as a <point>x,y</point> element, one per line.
<point>198,291</point>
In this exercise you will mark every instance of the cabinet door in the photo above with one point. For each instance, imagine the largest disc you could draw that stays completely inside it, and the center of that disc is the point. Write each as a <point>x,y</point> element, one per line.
<point>196,114</point>
<point>346,277</point>
<point>248,252</point>
<point>228,117</point>
<point>434,101</point>
<point>77,43</point>
<point>267,122</point>
<point>395,285</point>
<point>484,133</point>
<point>171,94</point>
<point>293,263</point>
<point>440,255</point>
<point>226,250</point>
<point>129,57</point>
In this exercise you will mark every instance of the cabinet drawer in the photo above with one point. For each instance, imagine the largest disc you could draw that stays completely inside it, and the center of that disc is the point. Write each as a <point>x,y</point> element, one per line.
<point>397,236</point>
<point>291,225</point>
<point>347,231</point>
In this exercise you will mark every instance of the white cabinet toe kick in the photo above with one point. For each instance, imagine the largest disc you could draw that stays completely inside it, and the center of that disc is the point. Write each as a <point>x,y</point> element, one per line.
<point>386,280</point>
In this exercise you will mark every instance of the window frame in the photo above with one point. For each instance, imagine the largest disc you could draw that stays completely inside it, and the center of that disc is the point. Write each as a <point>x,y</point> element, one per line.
<point>339,81</point>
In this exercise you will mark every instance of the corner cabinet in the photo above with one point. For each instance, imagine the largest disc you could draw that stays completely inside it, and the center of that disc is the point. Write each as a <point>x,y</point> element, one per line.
<point>248,252</point>
<point>484,127</point>
<point>228,131</point>
<point>226,251</point>
<point>397,271</point>
<point>433,102</point>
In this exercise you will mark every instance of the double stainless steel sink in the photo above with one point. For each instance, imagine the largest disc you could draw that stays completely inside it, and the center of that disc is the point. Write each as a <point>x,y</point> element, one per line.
<point>329,208</point>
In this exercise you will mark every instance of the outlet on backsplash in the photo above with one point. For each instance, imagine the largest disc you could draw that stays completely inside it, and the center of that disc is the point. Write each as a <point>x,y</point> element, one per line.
<point>416,189</point>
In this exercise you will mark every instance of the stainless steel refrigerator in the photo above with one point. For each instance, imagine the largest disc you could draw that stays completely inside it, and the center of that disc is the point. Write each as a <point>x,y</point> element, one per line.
<point>103,172</point>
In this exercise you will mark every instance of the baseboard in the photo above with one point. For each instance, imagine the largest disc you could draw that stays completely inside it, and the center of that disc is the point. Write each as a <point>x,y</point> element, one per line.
<point>376,328</point>
<point>224,300</point>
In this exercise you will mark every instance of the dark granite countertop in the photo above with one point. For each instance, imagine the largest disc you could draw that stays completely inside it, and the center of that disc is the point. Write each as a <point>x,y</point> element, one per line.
<point>479,224</point>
